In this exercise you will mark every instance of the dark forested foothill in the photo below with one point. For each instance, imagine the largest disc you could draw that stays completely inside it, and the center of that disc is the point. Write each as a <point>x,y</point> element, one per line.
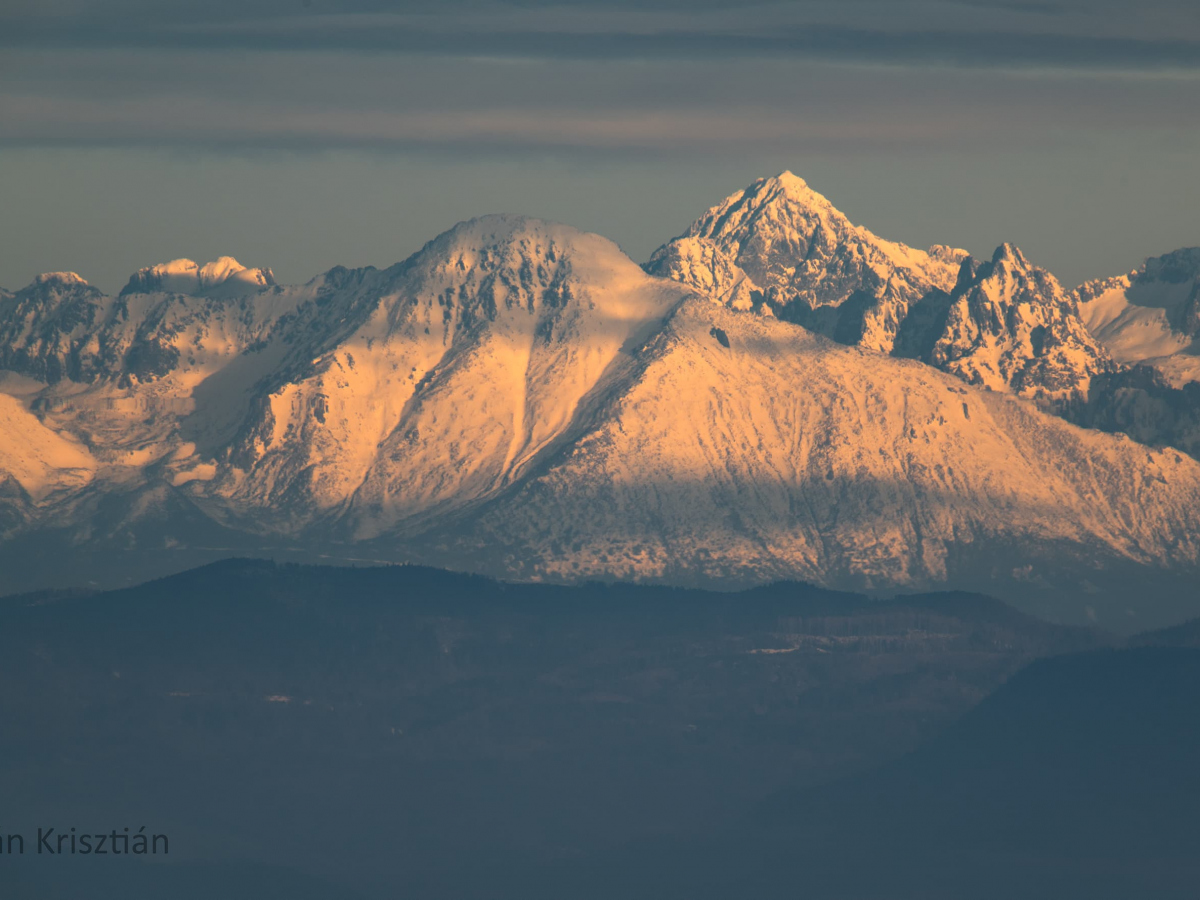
<point>404,731</point>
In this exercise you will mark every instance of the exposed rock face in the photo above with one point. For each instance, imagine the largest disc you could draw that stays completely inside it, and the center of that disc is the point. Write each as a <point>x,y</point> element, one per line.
<point>453,374</point>
<point>521,398</point>
<point>224,277</point>
<point>1150,316</point>
<point>785,455</point>
<point>1141,403</point>
<point>1011,328</point>
<point>780,246</point>
<point>48,329</point>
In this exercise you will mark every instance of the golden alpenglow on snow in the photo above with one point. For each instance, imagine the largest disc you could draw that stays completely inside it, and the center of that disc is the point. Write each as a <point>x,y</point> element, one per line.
<point>599,450</point>
<point>798,399</point>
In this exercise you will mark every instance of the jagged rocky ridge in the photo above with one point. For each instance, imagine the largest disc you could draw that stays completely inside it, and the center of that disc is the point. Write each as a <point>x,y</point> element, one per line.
<point>1151,316</point>
<point>1114,354</point>
<point>782,248</point>
<point>520,398</point>
<point>1010,326</point>
<point>1149,320</point>
<point>224,277</point>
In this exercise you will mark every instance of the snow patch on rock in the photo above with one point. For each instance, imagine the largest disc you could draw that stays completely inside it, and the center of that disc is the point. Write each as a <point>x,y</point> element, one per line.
<point>1150,316</point>
<point>224,277</point>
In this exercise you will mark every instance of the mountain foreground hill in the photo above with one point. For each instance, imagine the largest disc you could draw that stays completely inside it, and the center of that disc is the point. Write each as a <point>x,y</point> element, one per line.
<point>310,733</point>
<point>1074,781</point>
<point>519,398</point>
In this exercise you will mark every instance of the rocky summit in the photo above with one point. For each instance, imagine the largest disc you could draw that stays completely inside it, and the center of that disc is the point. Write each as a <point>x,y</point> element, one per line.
<point>777,394</point>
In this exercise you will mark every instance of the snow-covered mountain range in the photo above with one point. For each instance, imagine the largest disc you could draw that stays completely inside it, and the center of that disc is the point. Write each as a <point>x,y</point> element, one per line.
<point>782,249</point>
<point>1149,320</point>
<point>1150,316</point>
<point>777,394</point>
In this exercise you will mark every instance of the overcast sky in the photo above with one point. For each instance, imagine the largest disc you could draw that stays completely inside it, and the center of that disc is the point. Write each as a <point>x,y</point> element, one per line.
<point>300,134</point>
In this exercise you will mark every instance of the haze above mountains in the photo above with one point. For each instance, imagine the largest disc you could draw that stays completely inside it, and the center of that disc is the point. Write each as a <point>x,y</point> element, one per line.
<point>777,394</point>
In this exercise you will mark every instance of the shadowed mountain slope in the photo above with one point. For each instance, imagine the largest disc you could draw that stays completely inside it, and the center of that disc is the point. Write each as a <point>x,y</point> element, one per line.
<point>520,399</point>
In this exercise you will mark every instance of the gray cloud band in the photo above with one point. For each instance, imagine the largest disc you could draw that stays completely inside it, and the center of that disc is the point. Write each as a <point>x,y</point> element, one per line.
<point>486,106</point>
<point>817,42</point>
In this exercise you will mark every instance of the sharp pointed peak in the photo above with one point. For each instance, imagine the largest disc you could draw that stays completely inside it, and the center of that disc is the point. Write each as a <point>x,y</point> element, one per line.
<point>1008,252</point>
<point>785,197</point>
<point>1009,263</point>
<point>788,178</point>
<point>791,187</point>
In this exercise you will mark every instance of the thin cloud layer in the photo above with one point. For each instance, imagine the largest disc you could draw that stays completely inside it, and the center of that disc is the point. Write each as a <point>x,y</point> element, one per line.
<point>485,77</point>
<point>963,33</point>
<point>1072,126</point>
<point>479,106</point>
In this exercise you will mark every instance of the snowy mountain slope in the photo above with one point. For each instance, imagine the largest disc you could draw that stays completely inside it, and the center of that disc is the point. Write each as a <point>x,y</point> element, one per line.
<point>1150,316</point>
<point>118,372</point>
<point>780,246</point>
<point>831,464</point>
<point>476,356</point>
<point>122,376</point>
<point>60,327</point>
<point>520,398</point>
<point>1011,327</point>
<point>38,466</point>
<point>224,277</point>
<point>41,461</point>
<point>1148,320</point>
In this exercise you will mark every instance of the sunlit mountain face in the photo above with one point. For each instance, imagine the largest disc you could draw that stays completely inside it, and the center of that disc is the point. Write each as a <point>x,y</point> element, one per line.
<point>776,394</point>
<point>782,482</point>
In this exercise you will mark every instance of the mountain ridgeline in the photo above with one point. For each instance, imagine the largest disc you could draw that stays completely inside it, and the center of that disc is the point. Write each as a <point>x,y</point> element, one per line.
<point>777,393</point>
